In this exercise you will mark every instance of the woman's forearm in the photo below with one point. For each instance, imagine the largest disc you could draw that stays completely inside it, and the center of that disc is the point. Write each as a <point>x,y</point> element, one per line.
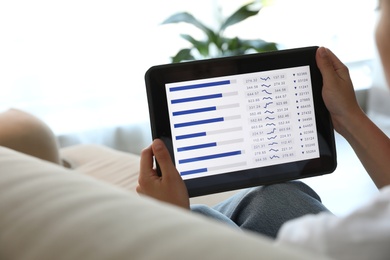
<point>371,145</point>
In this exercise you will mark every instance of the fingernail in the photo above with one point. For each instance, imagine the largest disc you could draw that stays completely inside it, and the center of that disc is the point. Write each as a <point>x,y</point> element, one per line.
<point>157,145</point>
<point>323,52</point>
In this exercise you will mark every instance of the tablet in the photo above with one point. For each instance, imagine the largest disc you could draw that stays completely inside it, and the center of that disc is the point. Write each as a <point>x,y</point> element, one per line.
<point>242,121</point>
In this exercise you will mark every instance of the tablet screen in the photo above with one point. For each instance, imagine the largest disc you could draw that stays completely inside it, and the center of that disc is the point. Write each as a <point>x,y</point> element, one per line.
<point>242,121</point>
<point>238,122</point>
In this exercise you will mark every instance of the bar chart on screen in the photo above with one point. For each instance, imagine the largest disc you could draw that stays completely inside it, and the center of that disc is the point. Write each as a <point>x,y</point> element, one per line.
<point>243,121</point>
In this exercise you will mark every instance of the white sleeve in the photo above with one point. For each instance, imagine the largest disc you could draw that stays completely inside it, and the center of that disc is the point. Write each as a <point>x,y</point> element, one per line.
<point>363,234</point>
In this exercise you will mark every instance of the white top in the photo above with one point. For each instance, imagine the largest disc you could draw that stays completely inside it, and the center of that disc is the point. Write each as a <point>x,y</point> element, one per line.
<point>363,234</point>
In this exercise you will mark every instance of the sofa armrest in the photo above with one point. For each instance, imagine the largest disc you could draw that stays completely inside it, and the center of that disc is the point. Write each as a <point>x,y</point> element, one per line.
<point>49,212</point>
<point>116,167</point>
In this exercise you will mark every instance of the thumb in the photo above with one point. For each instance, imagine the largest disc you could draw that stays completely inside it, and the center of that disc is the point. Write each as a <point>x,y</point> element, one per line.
<point>330,66</point>
<point>163,158</point>
<point>323,61</point>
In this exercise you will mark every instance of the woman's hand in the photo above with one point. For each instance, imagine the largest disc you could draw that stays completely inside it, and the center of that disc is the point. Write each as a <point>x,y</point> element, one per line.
<point>370,144</point>
<point>170,186</point>
<point>338,92</point>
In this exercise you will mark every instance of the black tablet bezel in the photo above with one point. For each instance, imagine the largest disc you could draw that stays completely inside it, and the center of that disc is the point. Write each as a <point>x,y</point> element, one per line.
<point>156,78</point>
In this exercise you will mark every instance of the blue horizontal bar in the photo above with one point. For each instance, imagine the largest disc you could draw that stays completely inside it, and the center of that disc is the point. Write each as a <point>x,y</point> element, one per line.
<point>209,157</point>
<point>203,85</point>
<point>194,147</point>
<point>190,99</point>
<point>193,171</point>
<point>180,137</point>
<point>200,122</point>
<point>193,111</point>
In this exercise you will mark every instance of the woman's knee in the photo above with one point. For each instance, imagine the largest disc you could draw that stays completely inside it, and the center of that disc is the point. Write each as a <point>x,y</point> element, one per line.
<point>26,133</point>
<point>213,214</point>
<point>290,188</point>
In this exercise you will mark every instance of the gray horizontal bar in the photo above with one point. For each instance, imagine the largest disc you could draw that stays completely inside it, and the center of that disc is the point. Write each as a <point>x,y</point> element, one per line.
<point>221,167</point>
<point>228,106</point>
<point>228,94</point>
<point>231,141</point>
<point>221,131</point>
<point>232,117</point>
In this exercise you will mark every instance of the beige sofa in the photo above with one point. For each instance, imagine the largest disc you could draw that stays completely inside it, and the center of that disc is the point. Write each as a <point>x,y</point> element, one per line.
<point>49,212</point>
<point>93,212</point>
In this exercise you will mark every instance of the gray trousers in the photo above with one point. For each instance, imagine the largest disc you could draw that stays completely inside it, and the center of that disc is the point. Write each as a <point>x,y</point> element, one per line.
<point>264,209</point>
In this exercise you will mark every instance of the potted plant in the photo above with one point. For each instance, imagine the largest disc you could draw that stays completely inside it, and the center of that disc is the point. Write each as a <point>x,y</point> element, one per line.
<point>215,39</point>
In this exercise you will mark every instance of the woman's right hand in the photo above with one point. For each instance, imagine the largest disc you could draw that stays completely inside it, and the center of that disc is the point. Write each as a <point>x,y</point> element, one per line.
<point>170,186</point>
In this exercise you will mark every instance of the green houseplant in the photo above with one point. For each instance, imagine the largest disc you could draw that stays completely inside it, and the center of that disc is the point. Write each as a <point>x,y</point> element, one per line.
<point>215,39</point>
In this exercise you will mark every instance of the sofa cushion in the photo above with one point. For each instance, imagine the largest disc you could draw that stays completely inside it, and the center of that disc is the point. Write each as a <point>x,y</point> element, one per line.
<point>49,212</point>
<point>116,167</point>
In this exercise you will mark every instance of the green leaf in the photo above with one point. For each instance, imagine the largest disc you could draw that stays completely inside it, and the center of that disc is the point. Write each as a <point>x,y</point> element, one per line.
<point>233,44</point>
<point>190,19</point>
<point>236,46</point>
<point>201,46</point>
<point>260,45</point>
<point>183,55</point>
<point>215,45</point>
<point>241,14</point>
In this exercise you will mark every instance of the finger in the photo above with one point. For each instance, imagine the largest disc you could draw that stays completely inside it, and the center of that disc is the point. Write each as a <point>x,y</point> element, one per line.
<point>146,165</point>
<point>164,159</point>
<point>330,65</point>
<point>139,189</point>
<point>146,162</point>
<point>323,61</point>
